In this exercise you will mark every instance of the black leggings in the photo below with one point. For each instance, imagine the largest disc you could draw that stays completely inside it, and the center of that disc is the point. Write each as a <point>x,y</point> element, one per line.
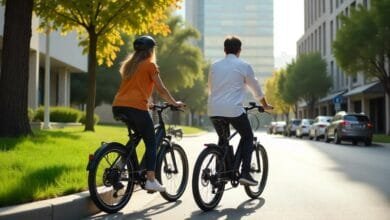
<point>242,125</point>
<point>141,122</point>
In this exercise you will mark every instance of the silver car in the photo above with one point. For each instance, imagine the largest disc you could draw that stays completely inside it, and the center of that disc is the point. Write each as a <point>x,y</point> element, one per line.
<point>349,126</point>
<point>303,127</point>
<point>317,129</point>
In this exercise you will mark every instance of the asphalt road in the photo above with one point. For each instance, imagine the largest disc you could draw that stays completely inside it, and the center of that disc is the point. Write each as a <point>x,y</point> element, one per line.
<point>307,180</point>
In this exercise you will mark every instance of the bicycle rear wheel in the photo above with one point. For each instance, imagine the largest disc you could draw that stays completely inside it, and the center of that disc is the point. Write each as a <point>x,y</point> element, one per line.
<point>258,170</point>
<point>109,186</point>
<point>207,186</point>
<point>174,180</point>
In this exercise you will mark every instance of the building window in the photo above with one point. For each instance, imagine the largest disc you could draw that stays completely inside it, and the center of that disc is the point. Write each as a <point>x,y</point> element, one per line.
<point>311,43</point>
<point>323,6</point>
<point>332,74</point>
<point>353,5</point>
<point>331,6</point>
<point>315,9</point>
<point>346,11</point>
<point>320,39</point>
<point>324,37</point>
<point>354,79</point>
<point>365,3</point>
<point>315,41</point>
<point>331,34</point>
<point>337,3</point>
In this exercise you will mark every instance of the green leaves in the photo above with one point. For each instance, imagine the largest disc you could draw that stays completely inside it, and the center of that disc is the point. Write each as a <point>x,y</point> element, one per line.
<point>105,19</point>
<point>362,44</point>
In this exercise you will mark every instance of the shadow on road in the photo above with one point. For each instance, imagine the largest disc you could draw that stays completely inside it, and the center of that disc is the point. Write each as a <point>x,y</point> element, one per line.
<point>146,213</point>
<point>360,163</point>
<point>245,209</point>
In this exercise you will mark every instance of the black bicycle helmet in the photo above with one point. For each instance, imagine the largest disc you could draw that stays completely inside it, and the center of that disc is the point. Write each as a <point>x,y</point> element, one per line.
<point>144,43</point>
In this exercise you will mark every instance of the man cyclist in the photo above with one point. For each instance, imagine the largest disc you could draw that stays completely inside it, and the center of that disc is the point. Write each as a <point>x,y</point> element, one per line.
<point>227,82</point>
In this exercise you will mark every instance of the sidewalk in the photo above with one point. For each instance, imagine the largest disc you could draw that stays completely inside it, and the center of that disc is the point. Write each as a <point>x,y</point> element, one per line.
<point>75,206</point>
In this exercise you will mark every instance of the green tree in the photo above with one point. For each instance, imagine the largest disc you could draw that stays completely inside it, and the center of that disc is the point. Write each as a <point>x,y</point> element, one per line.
<point>287,90</point>
<point>310,80</point>
<point>363,43</point>
<point>179,61</point>
<point>14,68</point>
<point>99,25</point>
<point>195,96</point>
<point>272,92</point>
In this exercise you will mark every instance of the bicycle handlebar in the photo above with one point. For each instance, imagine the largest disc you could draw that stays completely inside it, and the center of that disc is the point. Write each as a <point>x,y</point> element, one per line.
<point>253,105</point>
<point>165,106</point>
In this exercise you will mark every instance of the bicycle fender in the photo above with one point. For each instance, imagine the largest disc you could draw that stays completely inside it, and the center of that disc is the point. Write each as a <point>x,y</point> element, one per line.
<point>98,152</point>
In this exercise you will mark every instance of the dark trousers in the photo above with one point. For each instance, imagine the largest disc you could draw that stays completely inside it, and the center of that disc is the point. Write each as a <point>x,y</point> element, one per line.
<point>140,122</point>
<point>243,127</point>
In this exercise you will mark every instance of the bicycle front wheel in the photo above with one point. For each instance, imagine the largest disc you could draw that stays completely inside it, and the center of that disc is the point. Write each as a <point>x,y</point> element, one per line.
<point>258,170</point>
<point>172,172</point>
<point>110,186</point>
<point>207,183</point>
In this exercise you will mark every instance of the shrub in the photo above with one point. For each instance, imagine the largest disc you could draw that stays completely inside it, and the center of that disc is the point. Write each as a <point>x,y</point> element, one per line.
<point>59,114</point>
<point>30,114</point>
<point>96,118</point>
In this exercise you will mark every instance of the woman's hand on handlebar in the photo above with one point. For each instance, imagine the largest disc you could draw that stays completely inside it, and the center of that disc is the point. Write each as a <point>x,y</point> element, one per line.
<point>268,107</point>
<point>179,104</point>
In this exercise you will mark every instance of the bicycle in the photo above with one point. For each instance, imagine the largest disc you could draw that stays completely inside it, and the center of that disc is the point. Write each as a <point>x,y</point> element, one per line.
<point>114,168</point>
<point>217,165</point>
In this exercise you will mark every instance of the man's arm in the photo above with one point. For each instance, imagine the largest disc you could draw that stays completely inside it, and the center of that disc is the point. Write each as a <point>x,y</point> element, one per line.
<point>254,86</point>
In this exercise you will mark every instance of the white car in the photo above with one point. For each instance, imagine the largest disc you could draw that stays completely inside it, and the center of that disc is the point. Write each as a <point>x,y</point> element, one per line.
<point>303,128</point>
<point>279,127</point>
<point>317,129</point>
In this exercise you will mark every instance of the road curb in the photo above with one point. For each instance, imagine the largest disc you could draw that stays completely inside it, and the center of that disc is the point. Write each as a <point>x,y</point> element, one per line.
<point>75,206</point>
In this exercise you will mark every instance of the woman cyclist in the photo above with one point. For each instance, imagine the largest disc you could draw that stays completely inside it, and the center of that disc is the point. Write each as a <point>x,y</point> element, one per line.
<point>140,74</point>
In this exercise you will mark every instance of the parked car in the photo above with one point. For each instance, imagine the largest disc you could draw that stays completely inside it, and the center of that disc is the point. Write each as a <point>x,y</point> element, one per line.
<point>271,127</point>
<point>303,127</point>
<point>350,126</point>
<point>292,126</point>
<point>279,127</point>
<point>317,129</point>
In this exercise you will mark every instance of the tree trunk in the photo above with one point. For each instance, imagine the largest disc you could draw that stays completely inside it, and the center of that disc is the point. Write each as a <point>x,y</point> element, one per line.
<point>91,97</point>
<point>14,69</point>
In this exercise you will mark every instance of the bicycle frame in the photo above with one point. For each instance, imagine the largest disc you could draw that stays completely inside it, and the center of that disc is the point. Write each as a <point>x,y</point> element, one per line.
<point>236,156</point>
<point>163,143</point>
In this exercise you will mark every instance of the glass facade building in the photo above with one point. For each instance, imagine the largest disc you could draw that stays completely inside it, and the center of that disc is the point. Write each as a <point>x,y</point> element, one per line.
<point>251,20</point>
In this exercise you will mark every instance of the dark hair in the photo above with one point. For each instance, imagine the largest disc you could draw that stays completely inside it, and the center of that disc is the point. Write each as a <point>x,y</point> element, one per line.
<point>232,45</point>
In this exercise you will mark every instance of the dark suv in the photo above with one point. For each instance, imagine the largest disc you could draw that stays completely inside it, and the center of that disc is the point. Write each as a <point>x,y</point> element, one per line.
<point>349,126</point>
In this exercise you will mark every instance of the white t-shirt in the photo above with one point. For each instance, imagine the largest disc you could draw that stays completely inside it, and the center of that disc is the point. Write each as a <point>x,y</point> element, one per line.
<point>228,80</point>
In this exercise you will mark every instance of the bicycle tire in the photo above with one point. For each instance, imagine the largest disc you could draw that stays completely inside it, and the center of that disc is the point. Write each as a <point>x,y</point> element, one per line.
<point>163,170</point>
<point>200,178</point>
<point>260,153</point>
<point>99,198</point>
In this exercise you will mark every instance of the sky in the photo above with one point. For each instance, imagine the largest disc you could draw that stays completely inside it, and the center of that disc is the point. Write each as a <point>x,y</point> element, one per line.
<point>288,28</point>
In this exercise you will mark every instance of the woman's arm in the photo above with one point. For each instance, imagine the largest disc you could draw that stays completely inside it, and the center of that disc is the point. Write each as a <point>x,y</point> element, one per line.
<point>163,91</point>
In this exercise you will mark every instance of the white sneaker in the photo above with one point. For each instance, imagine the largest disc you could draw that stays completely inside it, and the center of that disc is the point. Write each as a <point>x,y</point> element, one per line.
<point>154,186</point>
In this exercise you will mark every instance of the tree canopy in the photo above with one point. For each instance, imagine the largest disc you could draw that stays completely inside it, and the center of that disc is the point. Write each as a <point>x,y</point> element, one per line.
<point>272,92</point>
<point>363,42</point>
<point>99,25</point>
<point>307,80</point>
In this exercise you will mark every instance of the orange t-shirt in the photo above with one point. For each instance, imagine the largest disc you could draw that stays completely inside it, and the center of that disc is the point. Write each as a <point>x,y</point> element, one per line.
<point>135,91</point>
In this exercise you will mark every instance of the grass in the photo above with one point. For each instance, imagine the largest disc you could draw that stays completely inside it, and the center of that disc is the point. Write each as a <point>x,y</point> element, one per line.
<point>381,138</point>
<point>51,163</point>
